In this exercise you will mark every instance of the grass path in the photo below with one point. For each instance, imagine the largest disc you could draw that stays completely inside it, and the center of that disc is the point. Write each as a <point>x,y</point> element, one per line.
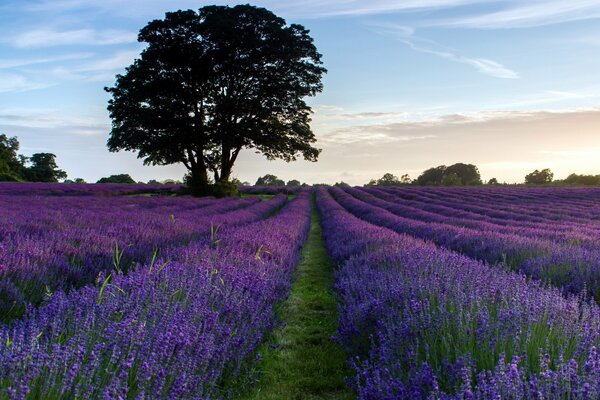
<point>301,362</point>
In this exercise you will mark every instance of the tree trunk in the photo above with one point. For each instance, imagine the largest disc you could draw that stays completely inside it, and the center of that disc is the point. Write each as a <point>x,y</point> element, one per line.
<point>227,163</point>
<point>198,181</point>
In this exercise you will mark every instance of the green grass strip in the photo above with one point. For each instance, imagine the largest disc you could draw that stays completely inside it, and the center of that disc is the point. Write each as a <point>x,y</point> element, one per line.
<point>301,361</point>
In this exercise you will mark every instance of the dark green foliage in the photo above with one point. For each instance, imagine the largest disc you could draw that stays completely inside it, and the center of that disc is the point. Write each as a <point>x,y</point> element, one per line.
<point>121,178</point>
<point>293,182</point>
<point>213,82</point>
<point>389,179</point>
<point>269,180</point>
<point>493,181</point>
<point>432,176</point>
<point>458,174</point>
<point>539,177</point>
<point>44,169</point>
<point>586,180</point>
<point>11,165</point>
<point>341,184</point>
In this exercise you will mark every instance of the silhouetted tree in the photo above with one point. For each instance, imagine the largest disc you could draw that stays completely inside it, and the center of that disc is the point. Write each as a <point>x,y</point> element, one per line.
<point>213,82</point>
<point>341,184</point>
<point>492,181</point>
<point>293,182</point>
<point>44,168</point>
<point>120,178</point>
<point>539,177</point>
<point>269,180</point>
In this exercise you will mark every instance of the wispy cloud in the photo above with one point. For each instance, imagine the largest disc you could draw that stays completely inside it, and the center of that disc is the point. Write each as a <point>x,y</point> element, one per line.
<point>407,36</point>
<point>89,37</point>
<point>370,134</point>
<point>15,63</point>
<point>325,8</point>
<point>54,119</point>
<point>483,65</point>
<point>531,14</point>
<point>12,82</point>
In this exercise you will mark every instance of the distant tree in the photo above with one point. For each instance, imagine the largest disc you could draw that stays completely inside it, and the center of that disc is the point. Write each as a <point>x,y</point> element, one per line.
<point>121,178</point>
<point>269,180</point>
<point>468,174</point>
<point>341,184</point>
<point>293,182</point>
<point>80,180</point>
<point>458,174</point>
<point>388,179</point>
<point>211,83</point>
<point>11,164</point>
<point>154,182</point>
<point>432,176</point>
<point>586,180</point>
<point>44,168</point>
<point>539,177</point>
<point>236,182</point>
<point>492,181</point>
<point>451,179</point>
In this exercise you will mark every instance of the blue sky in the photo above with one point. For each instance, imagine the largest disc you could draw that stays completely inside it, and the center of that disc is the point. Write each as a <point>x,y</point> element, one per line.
<point>508,85</point>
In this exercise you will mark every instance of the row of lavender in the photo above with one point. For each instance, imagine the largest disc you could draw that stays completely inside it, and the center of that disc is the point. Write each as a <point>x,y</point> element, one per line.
<point>573,266</point>
<point>58,242</point>
<point>83,189</point>
<point>422,322</point>
<point>574,206</point>
<point>184,328</point>
<point>521,220</point>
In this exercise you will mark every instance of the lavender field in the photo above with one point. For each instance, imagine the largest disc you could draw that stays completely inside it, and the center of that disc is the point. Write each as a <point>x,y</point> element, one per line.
<point>107,292</point>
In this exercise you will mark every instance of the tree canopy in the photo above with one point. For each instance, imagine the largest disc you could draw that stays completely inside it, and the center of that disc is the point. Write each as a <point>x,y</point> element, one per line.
<point>458,174</point>
<point>120,178</point>
<point>11,165</point>
<point>44,169</point>
<point>213,82</point>
<point>269,180</point>
<point>14,167</point>
<point>539,177</point>
<point>586,180</point>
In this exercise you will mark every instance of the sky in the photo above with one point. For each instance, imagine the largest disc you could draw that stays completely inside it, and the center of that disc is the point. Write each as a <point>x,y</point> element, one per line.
<point>510,86</point>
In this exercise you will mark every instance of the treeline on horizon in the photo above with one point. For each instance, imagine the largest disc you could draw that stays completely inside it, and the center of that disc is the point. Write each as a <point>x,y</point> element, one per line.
<point>42,167</point>
<point>461,174</point>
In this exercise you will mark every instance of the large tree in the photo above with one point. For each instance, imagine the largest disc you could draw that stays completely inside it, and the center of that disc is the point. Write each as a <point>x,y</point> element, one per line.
<point>213,82</point>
